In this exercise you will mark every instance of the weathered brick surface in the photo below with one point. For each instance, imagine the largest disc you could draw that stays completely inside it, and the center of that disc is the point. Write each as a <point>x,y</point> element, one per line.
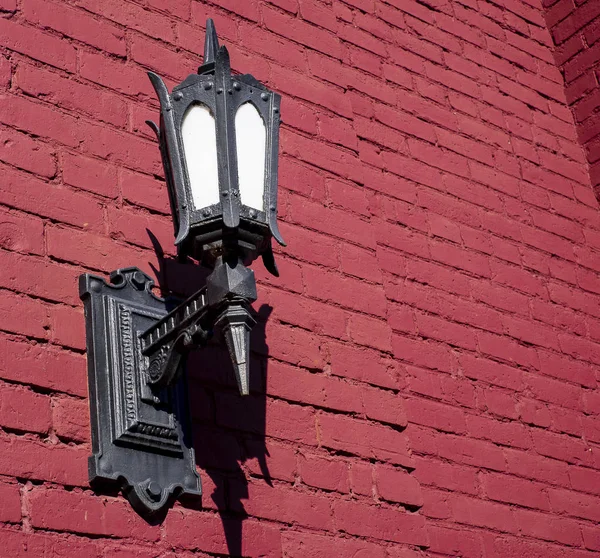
<point>575,29</point>
<point>425,369</point>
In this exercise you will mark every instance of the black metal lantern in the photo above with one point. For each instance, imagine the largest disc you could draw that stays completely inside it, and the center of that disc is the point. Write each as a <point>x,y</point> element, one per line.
<point>219,137</point>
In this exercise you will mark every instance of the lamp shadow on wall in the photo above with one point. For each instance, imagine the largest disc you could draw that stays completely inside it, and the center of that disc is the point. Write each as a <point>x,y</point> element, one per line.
<point>228,429</point>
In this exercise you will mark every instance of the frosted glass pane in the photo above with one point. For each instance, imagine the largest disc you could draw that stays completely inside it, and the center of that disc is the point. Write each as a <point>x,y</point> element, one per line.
<point>251,139</point>
<point>200,148</point>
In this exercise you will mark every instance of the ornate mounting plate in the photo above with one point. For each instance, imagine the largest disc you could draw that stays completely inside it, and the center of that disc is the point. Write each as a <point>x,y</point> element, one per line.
<point>141,436</point>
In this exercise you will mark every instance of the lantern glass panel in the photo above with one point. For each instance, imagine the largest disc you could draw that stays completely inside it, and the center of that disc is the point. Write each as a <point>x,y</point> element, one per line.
<point>251,140</point>
<point>199,136</point>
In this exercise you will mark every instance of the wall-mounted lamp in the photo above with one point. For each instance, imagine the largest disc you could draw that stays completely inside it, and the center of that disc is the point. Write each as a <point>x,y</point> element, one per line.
<point>219,138</point>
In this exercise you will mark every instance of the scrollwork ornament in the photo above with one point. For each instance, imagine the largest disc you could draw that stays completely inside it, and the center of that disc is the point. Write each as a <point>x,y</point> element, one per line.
<point>157,363</point>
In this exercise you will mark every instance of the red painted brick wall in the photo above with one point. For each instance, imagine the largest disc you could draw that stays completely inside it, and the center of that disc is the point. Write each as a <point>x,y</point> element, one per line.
<point>575,28</point>
<point>426,366</point>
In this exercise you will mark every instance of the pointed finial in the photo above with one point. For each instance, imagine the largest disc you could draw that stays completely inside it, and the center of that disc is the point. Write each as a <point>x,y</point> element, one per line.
<point>211,43</point>
<point>236,324</point>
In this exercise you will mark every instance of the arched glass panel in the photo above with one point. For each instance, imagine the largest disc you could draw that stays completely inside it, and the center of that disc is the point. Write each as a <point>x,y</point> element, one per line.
<point>200,147</point>
<point>251,140</point>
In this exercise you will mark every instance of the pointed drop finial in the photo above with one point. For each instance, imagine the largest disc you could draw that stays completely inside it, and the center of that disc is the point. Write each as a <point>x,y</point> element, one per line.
<point>211,43</point>
<point>236,324</point>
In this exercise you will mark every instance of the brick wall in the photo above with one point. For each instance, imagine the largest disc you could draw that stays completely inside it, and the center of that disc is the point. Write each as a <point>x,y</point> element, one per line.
<point>575,28</point>
<point>427,363</point>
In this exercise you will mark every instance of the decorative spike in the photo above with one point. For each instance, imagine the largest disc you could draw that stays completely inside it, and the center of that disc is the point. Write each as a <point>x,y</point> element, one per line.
<point>154,127</point>
<point>269,261</point>
<point>161,90</point>
<point>236,324</point>
<point>211,43</point>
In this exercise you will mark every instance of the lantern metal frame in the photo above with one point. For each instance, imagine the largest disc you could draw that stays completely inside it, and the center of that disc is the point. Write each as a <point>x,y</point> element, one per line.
<point>136,347</point>
<point>215,88</point>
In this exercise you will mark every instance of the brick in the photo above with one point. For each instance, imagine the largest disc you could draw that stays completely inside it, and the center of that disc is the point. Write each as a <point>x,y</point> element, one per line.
<point>77,24</point>
<point>480,513</point>
<point>278,48</point>
<point>89,174</point>
<point>508,350</point>
<point>39,46</point>
<point>492,372</point>
<point>290,505</point>
<point>5,71</point>
<point>584,479</point>
<point>291,344</point>
<point>179,531</point>
<point>342,290</point>
<point>279,461</point>
<point>422,352</point>
<point>499,402</point>
<point>301,179</point>
<point>89,250</point>
<point>361,478</point>
<point>85,513</point>
<point>162,60</point>
<point>313,545</point>
<point>139,228</point>
<point>133,16</point>
<point>183,528</point>
<point>570,25</point>
<point>436,415</point>
<point>26,153</point>
<point>115,74</point>
<point>363,365</point>
<point>301,32</point>
<point>456,478</point>
<point>61,203</point>
<point>318,14</point>
<point>317,317</point>
<point>333,221</point>
<point>385,523</point>
<point>471,452</point>
<point>554,391</point>
<point>320,472</point>
<point>438,291</point>
<point>144,191</point>
<point>35,460</point>
<point>502,488</point>
<point>574,504</point>
<point>70,418</point>
<point>40,119</point>
<point>27,545</point>
<point>311,247</point>
<point>20,232</point>
<point>384,406</point>
<point>316,389</point>
<point>455,541</point>
<point>548,528</point>
<point>312,91</point>
<point>396,485</point>
<point>23,315</point>
<point>67,326</point>
<point>590,538</point>
<point>442,330</point>
<point>24,410</point>
<point>372,441</point>
<point>301,115</point>
<point>44,366</point>
<point>71,95</point>
<point>360,263</point>
<point>561,447</point>
<point>10,508</point>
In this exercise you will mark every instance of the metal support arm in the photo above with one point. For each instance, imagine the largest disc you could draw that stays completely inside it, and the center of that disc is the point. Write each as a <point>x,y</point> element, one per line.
<point>223,302</point>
